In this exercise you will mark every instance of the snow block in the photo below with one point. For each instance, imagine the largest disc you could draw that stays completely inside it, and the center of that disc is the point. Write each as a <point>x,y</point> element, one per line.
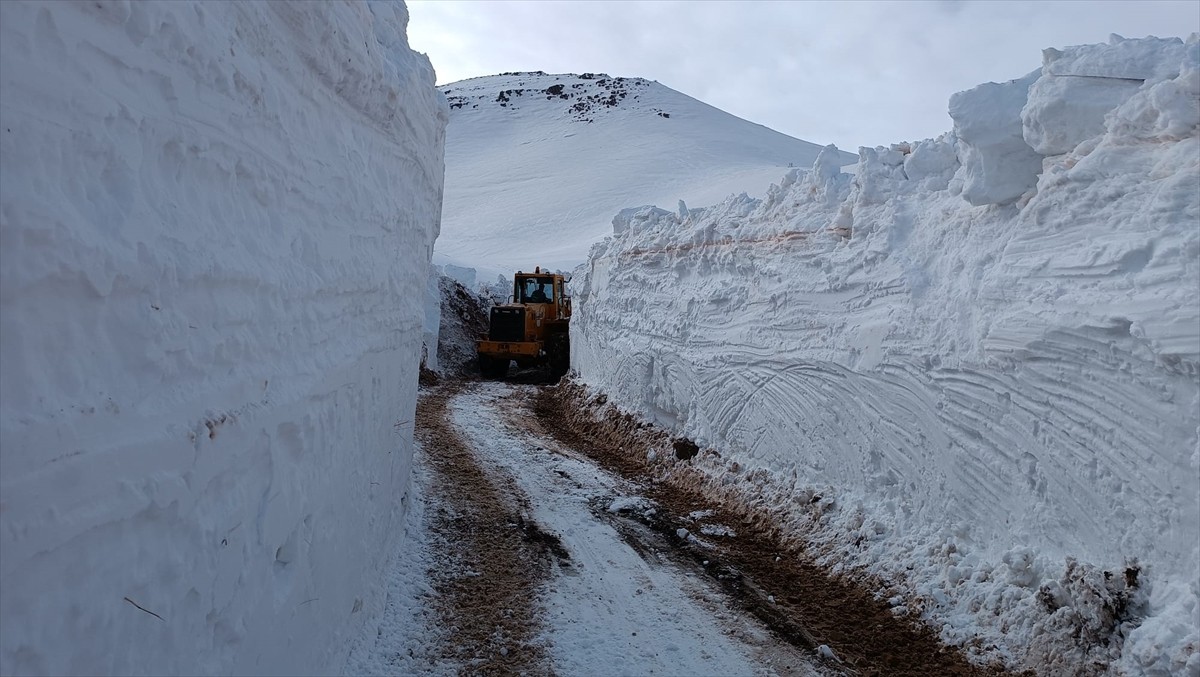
<point>1167,110</point>
<point>998,166</point>
<point>636,218</point>
<point>1080,85</point>
<point>216,222</point>
<point>1062,112</point>
<point>933,162</point>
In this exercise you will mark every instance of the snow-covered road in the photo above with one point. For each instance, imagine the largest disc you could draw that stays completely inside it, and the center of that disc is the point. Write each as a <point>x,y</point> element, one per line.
<point>540,546</point>
<point>611,608</point>
<point>606,603</point>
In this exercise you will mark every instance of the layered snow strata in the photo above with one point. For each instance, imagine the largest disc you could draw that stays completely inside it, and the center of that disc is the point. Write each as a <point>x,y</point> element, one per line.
<point>996,406</point>
<point>216,221</point>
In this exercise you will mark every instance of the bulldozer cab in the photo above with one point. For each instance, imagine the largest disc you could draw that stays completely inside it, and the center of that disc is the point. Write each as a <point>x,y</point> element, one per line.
<point>534,289</point>
<point>542,287</point>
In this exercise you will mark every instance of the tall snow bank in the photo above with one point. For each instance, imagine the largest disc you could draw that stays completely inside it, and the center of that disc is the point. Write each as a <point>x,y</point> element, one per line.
<point>995,408</point>
<point>216,221</point>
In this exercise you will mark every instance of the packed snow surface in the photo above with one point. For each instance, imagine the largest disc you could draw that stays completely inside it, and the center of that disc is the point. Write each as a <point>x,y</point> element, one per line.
<point>213,218</point>
<point>536,163</point>
<point>972,367</point>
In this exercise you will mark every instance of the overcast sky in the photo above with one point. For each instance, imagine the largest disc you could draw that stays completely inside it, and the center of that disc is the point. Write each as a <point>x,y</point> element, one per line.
<point>854,73</point>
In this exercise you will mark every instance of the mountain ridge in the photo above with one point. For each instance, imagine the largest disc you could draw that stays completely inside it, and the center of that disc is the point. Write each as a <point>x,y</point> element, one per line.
<point>530,153</point>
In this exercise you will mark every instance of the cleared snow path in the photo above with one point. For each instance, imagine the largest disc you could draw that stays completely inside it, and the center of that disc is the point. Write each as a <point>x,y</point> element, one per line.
<point>542,546</point>
<point>609,610</point>
<point>513,563</point>
<point>461,594</point>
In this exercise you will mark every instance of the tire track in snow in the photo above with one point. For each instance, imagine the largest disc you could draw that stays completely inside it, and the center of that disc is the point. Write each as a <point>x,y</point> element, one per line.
<point>493,558</point>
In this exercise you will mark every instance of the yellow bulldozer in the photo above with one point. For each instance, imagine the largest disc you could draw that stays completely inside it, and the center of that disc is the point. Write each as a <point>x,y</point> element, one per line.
<point>532,329</point>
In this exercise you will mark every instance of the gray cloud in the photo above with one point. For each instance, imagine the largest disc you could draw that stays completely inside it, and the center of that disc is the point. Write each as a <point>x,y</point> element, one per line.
<point>850,73</point>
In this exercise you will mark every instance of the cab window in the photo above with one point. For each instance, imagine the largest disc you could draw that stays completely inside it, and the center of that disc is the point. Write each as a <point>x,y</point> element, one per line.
<point>536,290</point>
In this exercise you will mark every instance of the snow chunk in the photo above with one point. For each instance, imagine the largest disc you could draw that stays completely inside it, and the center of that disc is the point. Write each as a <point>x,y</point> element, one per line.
<point>998,166</point>
<point>1023,570</point>
<point>1062,112</point>
<point>629,504</point>
<point>717,530</point>
<point>825,652</point>
<point>1148,58</point>
<point>828,164</point>
<point>1159,644</point>
<point>1080,85</point>
<point>1168,110</point>
<point>638,218</point>
<point>933,162</point>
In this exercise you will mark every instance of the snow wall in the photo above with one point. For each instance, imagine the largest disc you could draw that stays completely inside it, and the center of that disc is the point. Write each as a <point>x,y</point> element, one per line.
<point>216,223</point>
<point>976,358</point>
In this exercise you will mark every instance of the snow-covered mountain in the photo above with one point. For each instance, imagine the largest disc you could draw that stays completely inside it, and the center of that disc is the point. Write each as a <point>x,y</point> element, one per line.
<point>971,369</point>
<point>212,218</point>
<point>537,164</point>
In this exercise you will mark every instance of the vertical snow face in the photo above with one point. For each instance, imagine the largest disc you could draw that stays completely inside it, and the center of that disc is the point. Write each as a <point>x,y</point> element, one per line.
<point>992,403</point>
<point>216,221</point>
